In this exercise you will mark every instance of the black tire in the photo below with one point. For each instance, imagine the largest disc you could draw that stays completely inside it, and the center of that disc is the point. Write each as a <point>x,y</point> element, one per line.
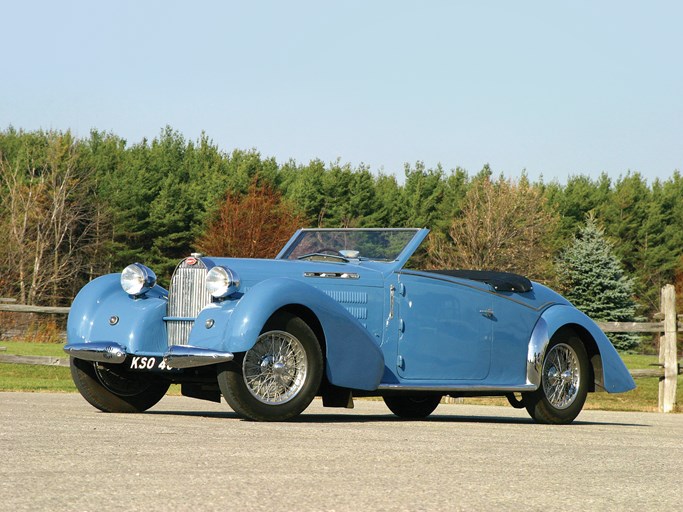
<point>517,403</point>
<point>283,372</point>
<point>564,382</point>
<point>110,390</point>
<point>412,407</point>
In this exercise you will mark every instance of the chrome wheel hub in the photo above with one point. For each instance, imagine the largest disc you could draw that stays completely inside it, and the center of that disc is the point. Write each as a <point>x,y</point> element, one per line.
<point>561,376</point>
<point>275,368</point>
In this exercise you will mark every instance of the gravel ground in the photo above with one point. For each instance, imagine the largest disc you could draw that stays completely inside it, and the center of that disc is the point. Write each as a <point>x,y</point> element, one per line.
<point>58,453</point>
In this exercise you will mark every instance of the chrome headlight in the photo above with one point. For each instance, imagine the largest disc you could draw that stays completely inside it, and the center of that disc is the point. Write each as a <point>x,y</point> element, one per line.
<point>136,279</point>
<point>221,282</point>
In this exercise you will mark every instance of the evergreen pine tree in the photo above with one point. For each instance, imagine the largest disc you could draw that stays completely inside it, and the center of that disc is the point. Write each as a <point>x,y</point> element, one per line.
<point>593,279</point>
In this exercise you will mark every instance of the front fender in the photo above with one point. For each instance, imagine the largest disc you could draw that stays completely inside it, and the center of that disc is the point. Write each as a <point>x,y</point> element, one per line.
<point>353,358</point>
<point>616,377</point>
<point>140,326</point>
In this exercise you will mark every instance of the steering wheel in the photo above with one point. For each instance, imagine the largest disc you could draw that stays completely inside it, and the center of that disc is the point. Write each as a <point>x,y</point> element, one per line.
<point>323,253</point>
<point>328,249</point>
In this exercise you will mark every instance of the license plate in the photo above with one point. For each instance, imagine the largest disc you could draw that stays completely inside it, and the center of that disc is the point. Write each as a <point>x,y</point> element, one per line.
<point>148,363</point>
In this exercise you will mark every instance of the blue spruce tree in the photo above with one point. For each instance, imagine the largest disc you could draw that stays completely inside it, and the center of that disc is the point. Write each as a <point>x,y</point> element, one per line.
<point>592,278</point>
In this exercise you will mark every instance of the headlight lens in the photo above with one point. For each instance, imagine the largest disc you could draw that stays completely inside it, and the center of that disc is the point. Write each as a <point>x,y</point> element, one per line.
<point>221,282</point>
<point>136,279</point>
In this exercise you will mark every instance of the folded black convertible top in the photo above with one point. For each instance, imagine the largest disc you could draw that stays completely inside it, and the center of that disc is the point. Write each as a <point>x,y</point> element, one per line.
<point>501,281</point>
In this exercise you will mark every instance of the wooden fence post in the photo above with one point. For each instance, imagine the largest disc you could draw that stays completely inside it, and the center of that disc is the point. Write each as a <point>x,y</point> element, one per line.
<point>667,350</point>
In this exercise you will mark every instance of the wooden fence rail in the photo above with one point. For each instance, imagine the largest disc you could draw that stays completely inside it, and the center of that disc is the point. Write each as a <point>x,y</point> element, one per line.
<point>669,327</point>
<point>23,308</point>
<point>35,360</point>
<point>651,327</point>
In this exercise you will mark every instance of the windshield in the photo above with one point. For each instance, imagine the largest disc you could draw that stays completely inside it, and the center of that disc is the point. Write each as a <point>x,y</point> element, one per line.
<point>349,244</point>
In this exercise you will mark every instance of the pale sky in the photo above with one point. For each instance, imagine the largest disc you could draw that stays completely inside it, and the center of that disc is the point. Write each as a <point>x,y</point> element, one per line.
<point>556,88</point>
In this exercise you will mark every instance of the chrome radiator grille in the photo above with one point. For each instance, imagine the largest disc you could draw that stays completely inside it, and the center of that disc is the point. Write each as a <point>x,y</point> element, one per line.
<point>186,298</point>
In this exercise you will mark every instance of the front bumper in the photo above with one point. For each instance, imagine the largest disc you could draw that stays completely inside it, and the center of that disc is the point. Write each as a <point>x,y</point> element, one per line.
<point>186,356</point>
<point>100,351</point>
<point>177,356</point>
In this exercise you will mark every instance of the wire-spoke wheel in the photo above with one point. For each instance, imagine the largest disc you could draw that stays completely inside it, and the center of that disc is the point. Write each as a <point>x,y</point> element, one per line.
<point>561,376</point>
<point>275,368</point>
<point>564,382</point>
<point>279,376</point>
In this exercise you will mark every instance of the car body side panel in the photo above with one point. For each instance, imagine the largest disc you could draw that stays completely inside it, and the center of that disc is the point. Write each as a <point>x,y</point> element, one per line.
<point>353,357</point>
<point>140,327</point>
<point>455,343</point>
<point>513,324</point>
<point>616,377</point>
<point>493,354</point>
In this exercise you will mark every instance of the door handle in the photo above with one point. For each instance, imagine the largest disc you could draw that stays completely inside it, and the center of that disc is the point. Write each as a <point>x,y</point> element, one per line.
<point>488,313</point>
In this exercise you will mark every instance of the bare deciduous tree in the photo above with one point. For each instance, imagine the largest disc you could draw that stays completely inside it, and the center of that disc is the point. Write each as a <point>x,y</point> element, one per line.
<point>46,224</point>
<point>503,226</point>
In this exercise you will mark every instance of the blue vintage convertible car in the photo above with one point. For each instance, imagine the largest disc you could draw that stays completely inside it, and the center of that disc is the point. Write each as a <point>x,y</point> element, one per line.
<point>337,314</point>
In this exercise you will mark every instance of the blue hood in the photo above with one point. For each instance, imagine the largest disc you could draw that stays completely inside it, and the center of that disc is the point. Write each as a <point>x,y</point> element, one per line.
<point>253,271</point>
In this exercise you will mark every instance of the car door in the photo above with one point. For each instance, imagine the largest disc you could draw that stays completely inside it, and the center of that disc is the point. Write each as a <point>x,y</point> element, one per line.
<point>445,329</point>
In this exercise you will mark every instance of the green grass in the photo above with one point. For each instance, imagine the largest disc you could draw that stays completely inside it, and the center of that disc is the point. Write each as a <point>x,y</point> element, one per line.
<point>24,377</point>
<point>28,377</point>
<point>23,348</point>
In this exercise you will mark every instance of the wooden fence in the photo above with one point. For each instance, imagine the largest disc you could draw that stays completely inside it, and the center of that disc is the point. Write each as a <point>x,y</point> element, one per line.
<point>668,326</point>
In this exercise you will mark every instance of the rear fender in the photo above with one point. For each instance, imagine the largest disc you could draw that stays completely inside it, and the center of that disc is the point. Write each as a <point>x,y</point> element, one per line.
<point>610,371</point>
<point>102,311</point>
<point>352,359</point>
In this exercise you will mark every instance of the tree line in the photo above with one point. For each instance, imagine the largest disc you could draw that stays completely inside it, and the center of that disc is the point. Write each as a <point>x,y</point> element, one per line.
<point>74,208</point>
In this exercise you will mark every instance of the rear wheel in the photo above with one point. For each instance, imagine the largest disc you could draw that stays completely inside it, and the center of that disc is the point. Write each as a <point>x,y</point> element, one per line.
<point>279,376</point>
<point>110,390</point>
<point>564,382</point>
<point>412,407</point>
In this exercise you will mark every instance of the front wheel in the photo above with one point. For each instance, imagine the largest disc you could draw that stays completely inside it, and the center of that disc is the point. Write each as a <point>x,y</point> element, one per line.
<point>110,390</point>
<point>564,383</point>
<point>412,407</point>
<point>279,376</point>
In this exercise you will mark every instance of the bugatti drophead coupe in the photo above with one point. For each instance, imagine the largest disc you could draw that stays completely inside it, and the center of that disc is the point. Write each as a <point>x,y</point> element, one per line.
<point>336,314</point>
